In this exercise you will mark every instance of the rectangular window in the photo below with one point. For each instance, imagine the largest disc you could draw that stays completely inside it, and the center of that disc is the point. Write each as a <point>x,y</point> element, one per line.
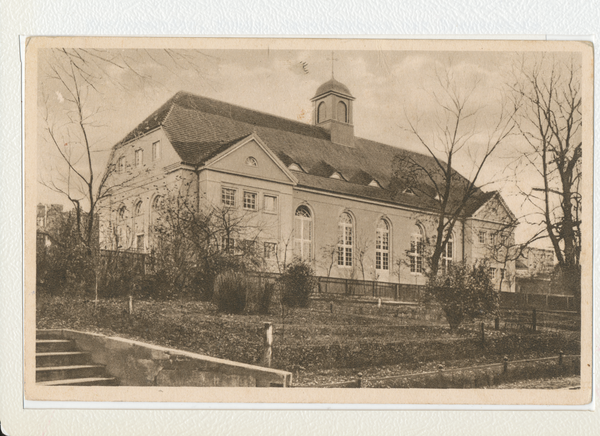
<point>482,237</point>
<point>121,165</point>
<point>227,244</point>
<point>139,158</point>
<point>493,273</point>
<point>228,196</point>
<point>270,203</point>
<point>250,200</point>
<point>139,242</point>
<point>156,151</point>
<point>501,273</point>
<point>270,250</point>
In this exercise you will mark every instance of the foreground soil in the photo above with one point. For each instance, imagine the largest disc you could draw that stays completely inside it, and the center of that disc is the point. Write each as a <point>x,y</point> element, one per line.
<point>318,346</point>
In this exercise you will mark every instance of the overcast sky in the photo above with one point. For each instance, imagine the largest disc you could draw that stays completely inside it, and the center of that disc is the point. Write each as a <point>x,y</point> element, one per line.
<point>389,86</point>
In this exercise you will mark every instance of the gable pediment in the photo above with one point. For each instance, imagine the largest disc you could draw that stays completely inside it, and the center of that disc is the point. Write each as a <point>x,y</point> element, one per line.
<point>250,157</point>
<point>495,209</point>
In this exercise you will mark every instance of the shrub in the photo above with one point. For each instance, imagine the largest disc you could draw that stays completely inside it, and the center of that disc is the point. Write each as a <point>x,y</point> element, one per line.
<point>266,296</point>
<point>230,294</point>
<point>297,282</point>
<point>464,292</point>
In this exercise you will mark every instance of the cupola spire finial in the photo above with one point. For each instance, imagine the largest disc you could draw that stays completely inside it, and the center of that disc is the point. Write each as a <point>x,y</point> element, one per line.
<point>332,60</point>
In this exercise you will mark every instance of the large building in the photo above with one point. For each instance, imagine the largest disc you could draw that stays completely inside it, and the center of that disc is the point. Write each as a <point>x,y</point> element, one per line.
<point>319,192</point>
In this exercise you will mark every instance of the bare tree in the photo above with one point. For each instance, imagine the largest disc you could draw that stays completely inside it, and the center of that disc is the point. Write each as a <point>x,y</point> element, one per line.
<point>457,136</point>
<point>547,96</point>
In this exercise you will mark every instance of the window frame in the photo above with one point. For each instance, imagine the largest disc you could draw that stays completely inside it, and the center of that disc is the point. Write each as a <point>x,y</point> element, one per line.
<point>345,244</point>
<point>448,258</point>
<point>233,197</point>
<point>482,237</point>
<point>273,250</point>
<point>255,197</point>
<point>300,241</point>
<point>382,255</point>
<point>156,151</point>
<point>139,158</point>
<point>416,251</point>
<point>275,209</point>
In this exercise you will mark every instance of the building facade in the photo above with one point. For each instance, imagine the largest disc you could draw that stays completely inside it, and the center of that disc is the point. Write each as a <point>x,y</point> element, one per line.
<point>316,192</point>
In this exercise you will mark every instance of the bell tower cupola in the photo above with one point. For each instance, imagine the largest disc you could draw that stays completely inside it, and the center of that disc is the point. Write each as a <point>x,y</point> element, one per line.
<point>333,111</point>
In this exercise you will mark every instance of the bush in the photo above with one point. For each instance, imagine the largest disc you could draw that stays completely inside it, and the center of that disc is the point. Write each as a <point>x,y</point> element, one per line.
<point>297,283</point>
<point>464,292</point>
<point>230,294</point>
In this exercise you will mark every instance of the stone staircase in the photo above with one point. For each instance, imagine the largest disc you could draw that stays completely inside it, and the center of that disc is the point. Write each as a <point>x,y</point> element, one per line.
<point>59,363</point>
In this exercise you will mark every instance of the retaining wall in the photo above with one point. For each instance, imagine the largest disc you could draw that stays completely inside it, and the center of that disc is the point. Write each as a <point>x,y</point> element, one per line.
<point>139,364</point>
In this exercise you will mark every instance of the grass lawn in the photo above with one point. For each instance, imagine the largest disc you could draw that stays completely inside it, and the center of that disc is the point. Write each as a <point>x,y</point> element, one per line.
<point>319,347</point>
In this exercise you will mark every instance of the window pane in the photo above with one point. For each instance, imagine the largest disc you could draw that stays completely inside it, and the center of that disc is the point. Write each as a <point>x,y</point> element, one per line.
<point>377,260</point>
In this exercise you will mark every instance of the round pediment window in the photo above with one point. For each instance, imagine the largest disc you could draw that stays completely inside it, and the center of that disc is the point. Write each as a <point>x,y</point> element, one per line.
<point>251,162</point>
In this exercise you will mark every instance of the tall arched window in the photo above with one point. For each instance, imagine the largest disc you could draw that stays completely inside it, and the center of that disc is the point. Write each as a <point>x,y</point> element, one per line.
<point>138,226</point>
<point>155,211</point>
<point>122,231</point>
<point>416,250</point>
<point>303,233</point>
<point>321,112</point>
<point>382,246</point>
<point>448,254</point>
<point>345,239</point>
<point>342,112</point>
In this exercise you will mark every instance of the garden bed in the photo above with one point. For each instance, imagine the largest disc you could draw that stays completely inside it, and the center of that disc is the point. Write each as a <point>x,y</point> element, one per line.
<point>318,346</point>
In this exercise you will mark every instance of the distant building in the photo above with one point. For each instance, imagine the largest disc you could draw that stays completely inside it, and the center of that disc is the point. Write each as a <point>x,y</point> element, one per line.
<point>47,218</point>
<point>535,262</point>
<point>534,270</point>
<point>319,192</point>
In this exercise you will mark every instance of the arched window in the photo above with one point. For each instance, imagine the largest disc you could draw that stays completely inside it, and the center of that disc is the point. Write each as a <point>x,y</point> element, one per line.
<point>138,226</point>
<point>345,239</point>
<point>155,211</point>
<point>382,246</point>
<point>342,112</point>
<point>122,231</point>
<point>448,254</point>
<point>303,233</point>
<point>416,250</point>
<point>321,112</point>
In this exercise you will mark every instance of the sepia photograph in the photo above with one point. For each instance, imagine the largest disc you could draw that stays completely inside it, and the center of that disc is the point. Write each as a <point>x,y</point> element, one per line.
<point>334,221</point>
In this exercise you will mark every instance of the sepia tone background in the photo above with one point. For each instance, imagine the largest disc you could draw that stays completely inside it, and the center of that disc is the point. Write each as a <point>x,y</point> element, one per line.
<point>32,18</point>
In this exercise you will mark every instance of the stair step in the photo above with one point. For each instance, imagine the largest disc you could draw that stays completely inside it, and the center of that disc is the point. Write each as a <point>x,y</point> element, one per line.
<point>54,345</point>
<point>48,334</point>
<point>68,372</point>
<point>61,358</point>
<point>89,381</point>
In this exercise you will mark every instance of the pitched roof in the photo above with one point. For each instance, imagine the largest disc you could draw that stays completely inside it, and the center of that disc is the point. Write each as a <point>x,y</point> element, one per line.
<point>199,128</point>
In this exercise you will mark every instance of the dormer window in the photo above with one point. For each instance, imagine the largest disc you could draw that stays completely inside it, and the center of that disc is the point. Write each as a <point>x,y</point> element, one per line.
<point>156,152</point>
<point>337,175</point>
<point>437,197</point>
<point>295,167</point>
<point>375,184</point>
<point>251,162</point>
<point>408,191</point>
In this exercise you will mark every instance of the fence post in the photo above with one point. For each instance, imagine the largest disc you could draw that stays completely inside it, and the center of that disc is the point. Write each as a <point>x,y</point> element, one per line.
<point>534,319</point>
<point>130,305</point>
<point>331,306</point>
<point>374,288</point>
<point>359,380</point>
<point>560,357</point>
<point>397,289</point>
<point>268,344</point>
<point>505,369</point>
<point>379,303</point>
<point>482,335</point>
<point>497,323</point>
<point>441,375</point>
